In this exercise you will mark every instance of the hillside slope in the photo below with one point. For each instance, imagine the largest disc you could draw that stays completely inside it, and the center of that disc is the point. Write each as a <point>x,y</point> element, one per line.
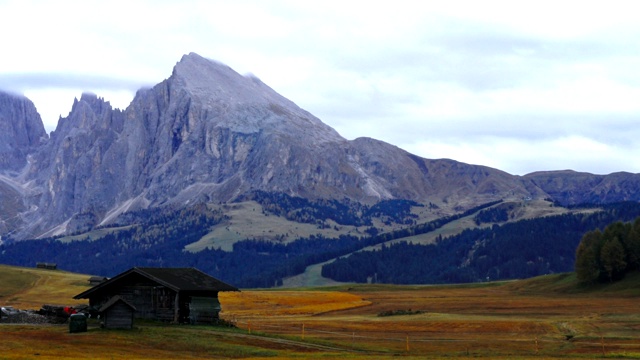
<point>30,288</point>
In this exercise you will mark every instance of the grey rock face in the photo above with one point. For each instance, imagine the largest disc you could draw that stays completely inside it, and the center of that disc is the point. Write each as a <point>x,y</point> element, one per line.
<point>21,131</point>
<point>77,171</point>
<point>206,133</point>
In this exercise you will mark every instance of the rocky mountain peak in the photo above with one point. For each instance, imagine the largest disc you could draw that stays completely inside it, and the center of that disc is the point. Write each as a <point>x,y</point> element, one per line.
<point>244,103</point>
<point>89,113</point>
<point>209,134</point>
<point>209,80</point>
<point>212,80</point>
<point>21,130</point>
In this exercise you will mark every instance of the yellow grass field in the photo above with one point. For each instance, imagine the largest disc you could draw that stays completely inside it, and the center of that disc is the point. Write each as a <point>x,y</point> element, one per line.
<point>532,319</point>
<point>28,288</point>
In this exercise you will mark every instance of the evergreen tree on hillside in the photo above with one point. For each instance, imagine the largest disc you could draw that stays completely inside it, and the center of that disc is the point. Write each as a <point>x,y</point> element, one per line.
<point>608,256</point>
<point>612,258</point>
<point>632,245</point>
<point>587,265</point>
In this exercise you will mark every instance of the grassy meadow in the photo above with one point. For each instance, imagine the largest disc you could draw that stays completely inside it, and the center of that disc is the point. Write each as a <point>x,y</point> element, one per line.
<point>543,318</point>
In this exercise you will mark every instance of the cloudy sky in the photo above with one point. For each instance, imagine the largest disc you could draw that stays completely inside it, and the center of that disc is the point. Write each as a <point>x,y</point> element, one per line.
<point>520,86</point>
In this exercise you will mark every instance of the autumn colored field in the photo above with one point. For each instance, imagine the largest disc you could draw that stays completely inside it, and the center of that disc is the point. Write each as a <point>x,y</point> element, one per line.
<point>490,320</point>
<point>547,317</point>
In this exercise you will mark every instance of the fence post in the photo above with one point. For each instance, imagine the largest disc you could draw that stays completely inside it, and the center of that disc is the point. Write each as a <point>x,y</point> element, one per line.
<point>249,326</point>
<point>407,343</point>
<point>302,331</point>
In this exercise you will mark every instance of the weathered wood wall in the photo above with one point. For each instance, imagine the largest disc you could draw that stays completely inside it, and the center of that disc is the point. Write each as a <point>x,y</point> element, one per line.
<point>118,316</point>
<point>140,296</point>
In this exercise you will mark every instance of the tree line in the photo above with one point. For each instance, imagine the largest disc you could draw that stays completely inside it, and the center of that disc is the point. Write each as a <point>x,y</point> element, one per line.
<point>515,250</point>
<point>345,212</point>
<point>158,238</point>
<point>608,255</point>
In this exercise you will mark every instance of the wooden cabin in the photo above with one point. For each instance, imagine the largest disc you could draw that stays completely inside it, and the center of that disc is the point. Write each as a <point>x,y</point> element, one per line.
<point>181,295</point>
<point>95,280</point>
<point>48,266</point>
<point>117,313</point>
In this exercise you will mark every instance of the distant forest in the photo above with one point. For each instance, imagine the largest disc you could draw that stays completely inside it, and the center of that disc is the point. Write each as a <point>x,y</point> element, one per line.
<point>515,250</point>
<point>345,213</point>
<point>158,237</point>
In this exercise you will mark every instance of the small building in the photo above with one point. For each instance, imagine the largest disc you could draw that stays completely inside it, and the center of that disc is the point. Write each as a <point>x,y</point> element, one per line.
<point>181,295</point>
<point>95,280</point>
<point>48,266</point>
<point>117,313</point>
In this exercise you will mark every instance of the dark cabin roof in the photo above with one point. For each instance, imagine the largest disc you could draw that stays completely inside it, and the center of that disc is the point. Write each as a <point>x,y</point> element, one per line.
<point>114,300</point>
<point>177,279</point>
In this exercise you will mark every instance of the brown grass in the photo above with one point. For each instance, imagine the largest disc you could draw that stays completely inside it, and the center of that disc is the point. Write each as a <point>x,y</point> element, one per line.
<point>480,321</point>
<point>537,318</point>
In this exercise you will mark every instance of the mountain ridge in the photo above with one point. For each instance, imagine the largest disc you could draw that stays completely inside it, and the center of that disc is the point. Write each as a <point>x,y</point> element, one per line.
<point>209,134</point>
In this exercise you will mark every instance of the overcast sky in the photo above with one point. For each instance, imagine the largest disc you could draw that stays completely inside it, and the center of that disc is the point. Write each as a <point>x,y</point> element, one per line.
<point>520,86</point>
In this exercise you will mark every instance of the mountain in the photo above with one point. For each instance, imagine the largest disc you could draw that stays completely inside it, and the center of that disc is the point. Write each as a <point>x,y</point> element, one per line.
<point>21,131</point>
<point>209,134</point>
<point>570,187</point>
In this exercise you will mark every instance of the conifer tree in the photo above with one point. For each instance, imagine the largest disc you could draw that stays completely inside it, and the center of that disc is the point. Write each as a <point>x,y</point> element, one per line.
<point>633,247</point>
<point>587,265</point>
<point>612,258</point>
